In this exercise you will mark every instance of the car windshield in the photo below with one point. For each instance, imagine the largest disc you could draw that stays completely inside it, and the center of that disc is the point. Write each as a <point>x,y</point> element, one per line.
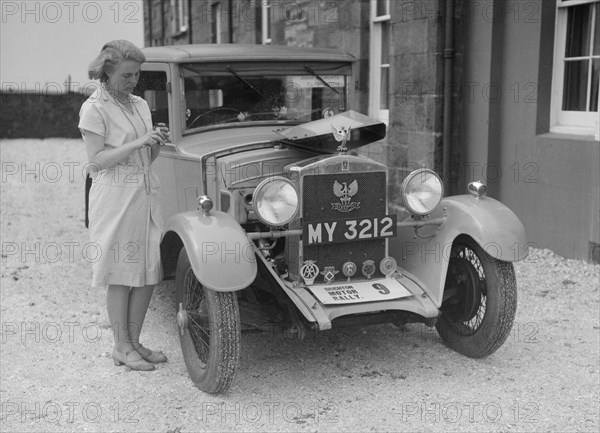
<point>252,93</point>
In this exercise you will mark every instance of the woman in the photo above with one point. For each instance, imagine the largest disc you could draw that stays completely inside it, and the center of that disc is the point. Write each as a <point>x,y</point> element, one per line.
<point>124,221</point>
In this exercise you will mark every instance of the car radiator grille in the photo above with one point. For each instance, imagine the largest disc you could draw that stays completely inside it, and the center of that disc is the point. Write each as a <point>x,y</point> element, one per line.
<point>321,204</point>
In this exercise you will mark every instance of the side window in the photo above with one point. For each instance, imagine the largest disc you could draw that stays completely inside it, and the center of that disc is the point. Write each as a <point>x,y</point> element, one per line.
<point>152,86</point>
<point>576,70</point>
<point>379,60</point>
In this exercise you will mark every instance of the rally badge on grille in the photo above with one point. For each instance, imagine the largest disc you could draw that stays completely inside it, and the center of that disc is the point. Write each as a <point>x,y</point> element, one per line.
<point>345,193</point>
<point>349,269</point>
<point>368,268</point>
<point>309,272</point>
<point>329,274</point>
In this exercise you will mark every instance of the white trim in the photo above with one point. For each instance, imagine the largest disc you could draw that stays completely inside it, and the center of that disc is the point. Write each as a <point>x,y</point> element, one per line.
<point>574,130</point>
<point>381,18</point>
<point>566,3</point>
<point>375,65</point>
<point>266,22</point>
<point>179,16</point>
<point>374,16</point>
<point>216,18</point>
<point>183,15</point>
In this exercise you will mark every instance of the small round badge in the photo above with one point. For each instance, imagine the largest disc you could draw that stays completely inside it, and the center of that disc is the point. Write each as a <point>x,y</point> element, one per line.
<point>349,269</point>
<point>368,268</point>
<point>388,266</point>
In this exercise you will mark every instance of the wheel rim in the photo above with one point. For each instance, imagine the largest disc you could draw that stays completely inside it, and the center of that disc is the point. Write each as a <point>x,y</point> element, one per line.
<point>467,277</point>
<point>196,310</point>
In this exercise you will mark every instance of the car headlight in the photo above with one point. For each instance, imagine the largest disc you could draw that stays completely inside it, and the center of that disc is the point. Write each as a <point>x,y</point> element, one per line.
<point>275,201</point>
<point>422,191</point>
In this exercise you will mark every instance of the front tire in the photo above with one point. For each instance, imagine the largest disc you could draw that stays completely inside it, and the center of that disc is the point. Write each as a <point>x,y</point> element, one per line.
<point>210,331</point>
<point>480,301</point>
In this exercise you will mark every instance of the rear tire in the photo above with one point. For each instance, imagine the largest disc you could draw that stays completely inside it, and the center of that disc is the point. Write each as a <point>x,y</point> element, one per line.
<point>210,338</point>
<point>478,316</point>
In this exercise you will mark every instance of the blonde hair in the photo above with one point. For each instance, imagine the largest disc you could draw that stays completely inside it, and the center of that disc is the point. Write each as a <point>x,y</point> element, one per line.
<point>113,53</point>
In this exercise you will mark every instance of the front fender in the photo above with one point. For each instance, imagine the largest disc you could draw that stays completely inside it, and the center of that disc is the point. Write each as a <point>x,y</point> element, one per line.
<point>490,223</point>
<point>220,253</point>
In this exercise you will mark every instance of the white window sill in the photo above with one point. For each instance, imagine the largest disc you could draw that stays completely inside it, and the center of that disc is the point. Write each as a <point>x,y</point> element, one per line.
<point>576,130</point>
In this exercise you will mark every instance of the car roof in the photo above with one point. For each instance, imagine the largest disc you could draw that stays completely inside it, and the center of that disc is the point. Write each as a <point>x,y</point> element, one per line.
<point>244,52</point>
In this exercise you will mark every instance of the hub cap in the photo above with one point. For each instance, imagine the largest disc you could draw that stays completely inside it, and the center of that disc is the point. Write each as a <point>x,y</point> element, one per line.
<point>466,279</point>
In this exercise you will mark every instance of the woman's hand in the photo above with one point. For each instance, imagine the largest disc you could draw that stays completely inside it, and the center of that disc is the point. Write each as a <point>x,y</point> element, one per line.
<point>153,138</point>
<point>158,136</point>
<point>163,131</point>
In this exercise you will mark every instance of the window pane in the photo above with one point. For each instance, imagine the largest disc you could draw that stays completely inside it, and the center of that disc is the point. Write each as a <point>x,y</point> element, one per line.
<point>382,8</point>
<point>575,85</point>
<point>215,17</point>
<point>579,26</point>
<point>287,93</point>
<point>267,28</point>
<point>384,95</point>
<point>595,81</point>
<point>385,42</point>
<point>597,32</point>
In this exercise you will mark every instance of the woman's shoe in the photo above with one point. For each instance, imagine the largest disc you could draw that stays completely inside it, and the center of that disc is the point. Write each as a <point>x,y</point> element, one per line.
<point>135,364</point>
<point>152,356</point>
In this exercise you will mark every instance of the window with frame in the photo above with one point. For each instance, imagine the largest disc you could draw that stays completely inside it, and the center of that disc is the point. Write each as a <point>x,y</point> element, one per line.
<point>215,23</point>
<point>379,60</point>
<point>266,21</point>
<point>576,73</point>
<point>152,86</point>
<point>180,16</point>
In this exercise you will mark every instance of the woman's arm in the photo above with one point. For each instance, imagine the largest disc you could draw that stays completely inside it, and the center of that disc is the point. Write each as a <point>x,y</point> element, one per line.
<point>104,158</point>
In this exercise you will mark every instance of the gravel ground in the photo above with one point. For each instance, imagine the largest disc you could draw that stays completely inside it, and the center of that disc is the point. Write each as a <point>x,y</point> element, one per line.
<point>57,375</point>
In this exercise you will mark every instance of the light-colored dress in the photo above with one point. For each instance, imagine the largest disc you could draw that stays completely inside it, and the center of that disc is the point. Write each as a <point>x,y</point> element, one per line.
<point>125,225</point>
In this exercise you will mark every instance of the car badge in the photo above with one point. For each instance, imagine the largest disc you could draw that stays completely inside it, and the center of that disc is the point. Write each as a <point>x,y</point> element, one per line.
<point>342,136</point>
<point>345,192</point>
<point>388,266</point>
<point>345,165</point>
<point>329,274</point>
<point>368,268</point>
<point>349,269</point>
<point>309,272</point>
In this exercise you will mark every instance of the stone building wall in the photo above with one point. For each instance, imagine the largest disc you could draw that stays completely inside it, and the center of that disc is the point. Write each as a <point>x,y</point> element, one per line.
<point>416,89</point>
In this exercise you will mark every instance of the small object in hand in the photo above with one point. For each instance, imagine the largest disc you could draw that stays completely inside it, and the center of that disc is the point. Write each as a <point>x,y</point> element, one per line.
<point>163,130</point>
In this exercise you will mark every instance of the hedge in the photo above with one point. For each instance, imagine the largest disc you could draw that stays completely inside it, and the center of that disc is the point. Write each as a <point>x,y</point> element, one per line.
<point>33,115</point>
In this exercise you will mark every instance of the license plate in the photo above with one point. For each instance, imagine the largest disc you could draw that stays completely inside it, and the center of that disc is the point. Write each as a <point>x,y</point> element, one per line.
<point>383,289</point>
<point>349,230</point>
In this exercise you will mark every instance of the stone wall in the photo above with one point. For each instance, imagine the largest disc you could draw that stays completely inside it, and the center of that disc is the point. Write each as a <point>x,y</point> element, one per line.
<point>416,87</point>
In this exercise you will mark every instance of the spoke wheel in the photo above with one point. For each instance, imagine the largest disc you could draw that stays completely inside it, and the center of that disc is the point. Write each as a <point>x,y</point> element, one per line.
<point>481,302</point>
<point>209,324</point>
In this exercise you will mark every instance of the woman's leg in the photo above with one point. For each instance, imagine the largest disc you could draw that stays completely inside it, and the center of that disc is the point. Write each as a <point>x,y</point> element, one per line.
<point>117,304</point>
<point>139,299</point>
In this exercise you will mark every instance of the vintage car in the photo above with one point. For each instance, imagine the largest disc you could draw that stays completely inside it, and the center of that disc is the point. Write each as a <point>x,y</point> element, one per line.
<point>275,222</point>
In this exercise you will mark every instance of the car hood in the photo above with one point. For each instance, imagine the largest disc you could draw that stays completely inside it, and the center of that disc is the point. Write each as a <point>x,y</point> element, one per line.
<point>323,135</point>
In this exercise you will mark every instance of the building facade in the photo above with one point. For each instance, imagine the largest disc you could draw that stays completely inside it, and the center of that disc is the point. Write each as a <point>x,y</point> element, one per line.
<point>504,91</point>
